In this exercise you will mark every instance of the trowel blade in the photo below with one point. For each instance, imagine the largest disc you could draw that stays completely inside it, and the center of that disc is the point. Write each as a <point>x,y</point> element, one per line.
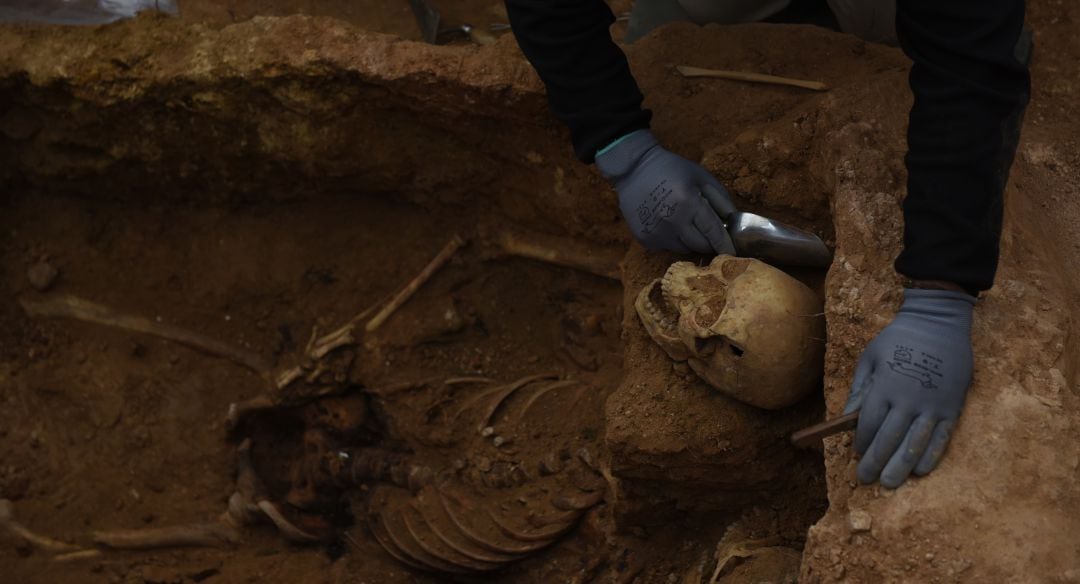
<point>775,242</point>
<point>427,18</point>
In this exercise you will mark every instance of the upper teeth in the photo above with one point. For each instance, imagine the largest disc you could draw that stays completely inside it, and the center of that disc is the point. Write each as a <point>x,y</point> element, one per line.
<point>658,315</point>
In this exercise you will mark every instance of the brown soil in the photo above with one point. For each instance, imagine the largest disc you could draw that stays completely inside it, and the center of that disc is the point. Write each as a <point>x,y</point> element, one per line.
<point>135,177</point>
<point>394,18</point>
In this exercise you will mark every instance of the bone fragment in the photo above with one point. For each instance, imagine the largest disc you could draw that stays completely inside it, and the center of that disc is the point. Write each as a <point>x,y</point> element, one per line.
<point>319,347</point>
<point>558,252</point>
<point>542,392</point>
<point>577,502</point>
<point>383,537</point>
<point>503,545</point>
<point>468,380</point>
<point>374,464</point>
<point>395,388</point>
<point>290,531</point>
<point>42,542</point>
<point>412,543</point>
<point>436,522</point>
<point>498,395</point>
<point>78,556</point>
<point>421,531</point>
<point>333,341</point>
<point>413,285</point>
<point>529,535</point>
<point>250,497</point>
<point>239,411</point>
<point>86,311</point>
<point>211,534</point>
<point>745,549</point>
<point>688,71</point>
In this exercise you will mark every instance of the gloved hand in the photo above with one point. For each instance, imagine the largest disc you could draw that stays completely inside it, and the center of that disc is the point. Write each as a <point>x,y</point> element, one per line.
<point>669,202</point>
<point>910,385</point>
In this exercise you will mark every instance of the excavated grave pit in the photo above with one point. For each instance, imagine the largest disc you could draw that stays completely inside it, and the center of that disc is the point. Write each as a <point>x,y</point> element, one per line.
<point>255,181</point>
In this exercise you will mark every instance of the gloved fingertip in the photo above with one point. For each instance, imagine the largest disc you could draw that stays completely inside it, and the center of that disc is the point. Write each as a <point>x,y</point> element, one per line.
<point>892,481</point>
<point>860,382</point>
<point>936,449</point>
<point>871,418</point>
<point>718,197</point>
<point>867,471</point>
<point>712,229</point>
<point>928,463</point>
<point>677,246</point>
<point>903,461</point>
<point>695,243</point>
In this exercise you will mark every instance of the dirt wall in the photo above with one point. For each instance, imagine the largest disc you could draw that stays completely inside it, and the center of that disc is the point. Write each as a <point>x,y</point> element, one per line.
<point>288,109</point>
<point>285,108</point>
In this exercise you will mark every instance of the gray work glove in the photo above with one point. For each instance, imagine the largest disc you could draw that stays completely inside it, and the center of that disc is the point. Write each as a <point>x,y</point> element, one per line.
<point>669,202</point>
<point>910,386</point>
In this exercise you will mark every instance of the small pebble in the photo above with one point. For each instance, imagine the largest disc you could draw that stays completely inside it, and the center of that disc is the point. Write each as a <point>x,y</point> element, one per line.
<point>859,521</point>
<point>550,465</point>
<point>587,458</point>
<point>488,431</point>
<point>42,276</point>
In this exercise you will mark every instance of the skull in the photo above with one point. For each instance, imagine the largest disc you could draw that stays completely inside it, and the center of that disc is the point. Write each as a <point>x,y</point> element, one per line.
<point>745,327</point>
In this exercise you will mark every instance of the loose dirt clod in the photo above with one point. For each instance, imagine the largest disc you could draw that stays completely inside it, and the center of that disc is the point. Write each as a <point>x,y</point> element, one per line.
<point>42,276</point>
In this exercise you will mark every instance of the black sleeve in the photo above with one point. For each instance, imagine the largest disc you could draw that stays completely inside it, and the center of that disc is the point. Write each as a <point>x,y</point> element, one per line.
<point>970,91</point>
<point>588,80</point>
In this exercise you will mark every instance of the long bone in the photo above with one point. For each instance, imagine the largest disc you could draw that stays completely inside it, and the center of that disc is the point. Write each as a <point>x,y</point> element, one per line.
<point>87,311</point>
<point>9,524</point>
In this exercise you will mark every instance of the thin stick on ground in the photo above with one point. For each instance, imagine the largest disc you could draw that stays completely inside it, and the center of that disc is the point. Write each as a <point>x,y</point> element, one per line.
<point>410,288</point>
<point>86,311</point>
<point>688,71</point>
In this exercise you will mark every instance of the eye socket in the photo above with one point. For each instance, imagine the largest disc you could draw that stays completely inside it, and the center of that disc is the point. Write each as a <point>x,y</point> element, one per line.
<point>703,347</point>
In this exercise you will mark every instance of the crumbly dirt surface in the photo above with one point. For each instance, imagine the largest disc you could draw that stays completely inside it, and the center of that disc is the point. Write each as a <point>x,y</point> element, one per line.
<point>253,178</point>
<point>396,18</point>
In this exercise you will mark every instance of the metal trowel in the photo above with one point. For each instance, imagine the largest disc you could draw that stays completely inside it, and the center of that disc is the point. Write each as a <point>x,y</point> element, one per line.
<point>430,22</point>
<point>428,19</point>
<point>775,242</point>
